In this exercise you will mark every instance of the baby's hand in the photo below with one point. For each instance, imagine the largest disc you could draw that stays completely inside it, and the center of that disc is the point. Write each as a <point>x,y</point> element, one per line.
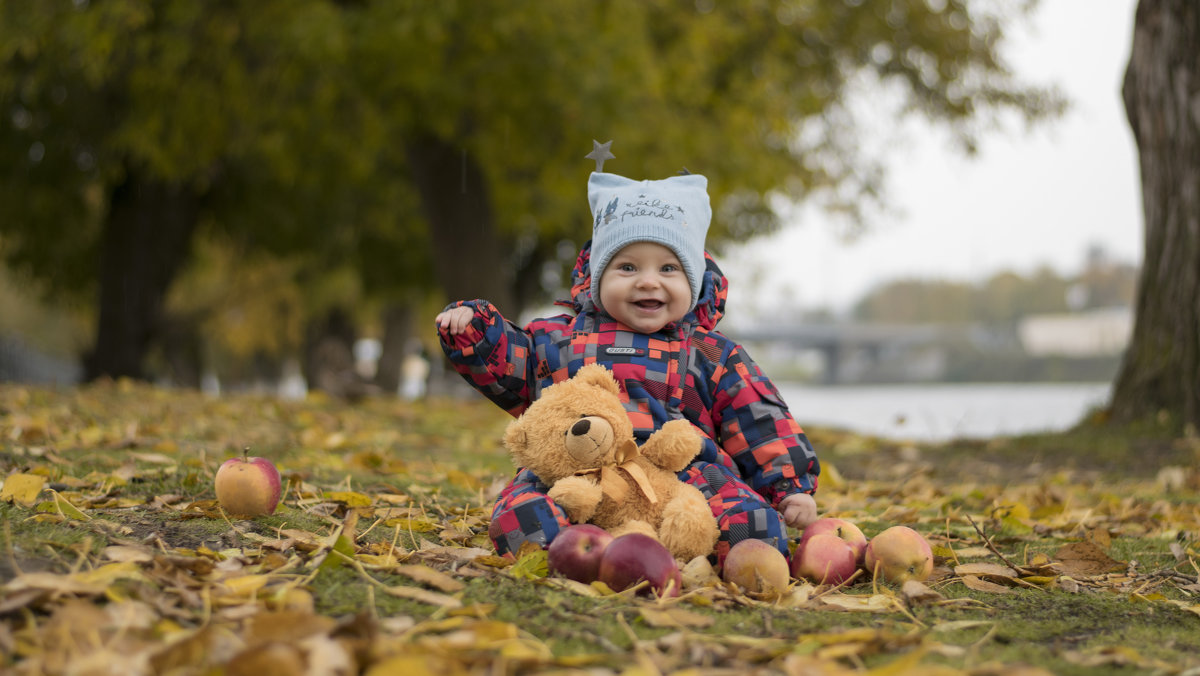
<point>455,320</point>
<point>798,510</point>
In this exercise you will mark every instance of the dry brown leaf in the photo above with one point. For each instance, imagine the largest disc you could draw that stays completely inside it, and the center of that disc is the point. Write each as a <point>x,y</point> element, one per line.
<point>110,573</point>
<point>978,584</point>
<point>132,553</point>
<point>456,553</point>
<point>1085,558</point>
<point>571,586</point>
<point>423,596</point>
<point>916,593</point>
<point>958,625</point>
<point>988,572</point>
<point>63,584</point>
<point>1100,537</point>
<point>429,576</point>
<point>15,600</point>
<point>131,615</point>
<point>973,552</point>
<point>984,570</point>
<point>285,626</point>
<point>272,658</point>
<point>876,603</point>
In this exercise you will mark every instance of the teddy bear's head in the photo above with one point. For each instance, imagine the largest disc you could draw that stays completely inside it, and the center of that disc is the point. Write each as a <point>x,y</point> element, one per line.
<point>576,424</point>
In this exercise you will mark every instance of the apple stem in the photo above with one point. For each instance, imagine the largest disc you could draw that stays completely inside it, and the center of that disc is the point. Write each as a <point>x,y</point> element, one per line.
<point>245,453</point>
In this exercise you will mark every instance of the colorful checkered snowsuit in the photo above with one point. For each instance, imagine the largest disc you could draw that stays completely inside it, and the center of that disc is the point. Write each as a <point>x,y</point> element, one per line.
<point>754,454</point>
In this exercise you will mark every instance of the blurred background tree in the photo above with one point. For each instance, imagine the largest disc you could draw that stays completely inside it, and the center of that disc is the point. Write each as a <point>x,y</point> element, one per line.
<point>226,178</point>
<point>1003,298</point>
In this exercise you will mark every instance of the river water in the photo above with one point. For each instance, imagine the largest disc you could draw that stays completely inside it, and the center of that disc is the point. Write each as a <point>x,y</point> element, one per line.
<point>943,411</point>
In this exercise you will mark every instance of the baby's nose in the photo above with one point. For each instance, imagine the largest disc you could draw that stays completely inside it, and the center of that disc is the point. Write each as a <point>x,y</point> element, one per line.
<point>581,428</point>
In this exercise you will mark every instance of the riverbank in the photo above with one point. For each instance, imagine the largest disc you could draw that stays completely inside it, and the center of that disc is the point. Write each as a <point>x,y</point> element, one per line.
<point>937,412</point>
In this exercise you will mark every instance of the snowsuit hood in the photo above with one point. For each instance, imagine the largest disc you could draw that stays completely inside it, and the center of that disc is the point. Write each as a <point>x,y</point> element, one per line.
<point>714,288</point>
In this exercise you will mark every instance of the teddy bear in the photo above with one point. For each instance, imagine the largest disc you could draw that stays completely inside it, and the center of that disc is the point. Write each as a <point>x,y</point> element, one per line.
<point>579,441</point>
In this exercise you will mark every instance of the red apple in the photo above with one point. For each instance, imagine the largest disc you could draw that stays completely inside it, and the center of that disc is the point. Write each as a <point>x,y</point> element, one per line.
<point>899,554</point>
<point>756,567</point>
<point>824,558</point>
<point>841,528</point>
<point>576,551</point>
<point>634,557</point>
<point>248,486</point>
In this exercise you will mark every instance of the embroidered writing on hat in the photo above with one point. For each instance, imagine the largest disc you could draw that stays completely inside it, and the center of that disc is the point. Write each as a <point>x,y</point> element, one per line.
<point>609,212</point>
<point>653,208</point>
<point>641,207</point>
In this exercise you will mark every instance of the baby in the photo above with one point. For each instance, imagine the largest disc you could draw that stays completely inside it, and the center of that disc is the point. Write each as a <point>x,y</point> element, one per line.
<point>646,300</point>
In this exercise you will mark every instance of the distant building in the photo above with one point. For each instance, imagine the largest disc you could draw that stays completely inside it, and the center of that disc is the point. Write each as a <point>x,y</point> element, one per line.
<point>1091,333</point>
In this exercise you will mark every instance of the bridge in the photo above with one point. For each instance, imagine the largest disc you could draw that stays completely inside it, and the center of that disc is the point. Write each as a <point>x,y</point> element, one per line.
<point>857,346</point>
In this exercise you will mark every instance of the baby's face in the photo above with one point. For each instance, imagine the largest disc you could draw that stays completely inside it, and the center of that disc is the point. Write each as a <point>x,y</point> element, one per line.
<point>645,288</point>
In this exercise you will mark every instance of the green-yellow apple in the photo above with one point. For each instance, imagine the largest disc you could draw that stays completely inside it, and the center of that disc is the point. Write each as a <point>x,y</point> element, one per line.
<point>633,557</point>
<point>756,567</point>
<point>576,551</point>
<point>899,554</point>
<point>248,486</point>
<point>824,558</point>
<point>842,529</point>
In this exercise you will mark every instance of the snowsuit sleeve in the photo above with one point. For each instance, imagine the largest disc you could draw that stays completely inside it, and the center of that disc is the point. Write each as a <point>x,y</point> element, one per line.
<point>493,355</point>
<point>768,446</point>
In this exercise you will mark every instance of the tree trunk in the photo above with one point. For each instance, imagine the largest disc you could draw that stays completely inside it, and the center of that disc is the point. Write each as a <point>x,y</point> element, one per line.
<point>470,260</point>
<point>1161,369</point>
<point>398,333</point>
<point>147,237</point>
<point>329,363</point>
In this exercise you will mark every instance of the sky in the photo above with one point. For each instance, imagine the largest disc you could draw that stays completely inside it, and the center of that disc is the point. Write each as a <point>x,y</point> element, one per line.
<point>1029,198</point>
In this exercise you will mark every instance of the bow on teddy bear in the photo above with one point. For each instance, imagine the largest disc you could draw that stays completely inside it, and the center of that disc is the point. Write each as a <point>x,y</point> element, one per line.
<point>577,438</point>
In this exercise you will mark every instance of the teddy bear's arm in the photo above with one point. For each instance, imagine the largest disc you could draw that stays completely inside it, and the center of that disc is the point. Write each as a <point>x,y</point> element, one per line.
<point>673,446</point>
<point>578,496</point>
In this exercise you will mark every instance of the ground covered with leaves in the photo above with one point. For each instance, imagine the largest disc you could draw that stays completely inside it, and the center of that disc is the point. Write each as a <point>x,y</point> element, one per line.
<point>1061,554</point>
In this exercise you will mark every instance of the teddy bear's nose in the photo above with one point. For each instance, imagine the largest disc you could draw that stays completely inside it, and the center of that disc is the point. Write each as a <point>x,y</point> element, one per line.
<point>581,428</point>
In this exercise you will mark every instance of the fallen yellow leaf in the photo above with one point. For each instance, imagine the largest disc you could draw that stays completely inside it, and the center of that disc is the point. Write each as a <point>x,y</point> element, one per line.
<point>349,498</point>
<point>112,572</point>
<point>66,584</point>
<point>874,603</point>
<point>675,618</point>
<point>429,576</point>
<point>22,488</point>
<point>424,596</point>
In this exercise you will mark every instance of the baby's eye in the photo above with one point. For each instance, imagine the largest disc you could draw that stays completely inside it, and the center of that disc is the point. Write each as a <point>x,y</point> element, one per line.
<point>626,267</point>
<point>670,267</point>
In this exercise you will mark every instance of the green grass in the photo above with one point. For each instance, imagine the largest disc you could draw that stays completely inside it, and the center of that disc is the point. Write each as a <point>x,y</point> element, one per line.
<point>157,451</point>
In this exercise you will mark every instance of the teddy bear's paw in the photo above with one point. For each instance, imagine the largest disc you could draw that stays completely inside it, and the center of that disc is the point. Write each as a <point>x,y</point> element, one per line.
<point>688,543</point>
<point>673,446</point>
<point>689,528</point>
<point>577,496</point>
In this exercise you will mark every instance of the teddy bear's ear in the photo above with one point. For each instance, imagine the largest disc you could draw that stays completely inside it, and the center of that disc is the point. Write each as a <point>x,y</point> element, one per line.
<point>595,374</point>
<point>514,436</point>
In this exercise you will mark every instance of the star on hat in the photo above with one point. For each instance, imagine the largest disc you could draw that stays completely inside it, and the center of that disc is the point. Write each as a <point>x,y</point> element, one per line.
<point>600,152</point>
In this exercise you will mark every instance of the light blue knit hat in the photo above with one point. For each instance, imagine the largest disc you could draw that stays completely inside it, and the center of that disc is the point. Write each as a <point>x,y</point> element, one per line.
<point>673,212</point>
